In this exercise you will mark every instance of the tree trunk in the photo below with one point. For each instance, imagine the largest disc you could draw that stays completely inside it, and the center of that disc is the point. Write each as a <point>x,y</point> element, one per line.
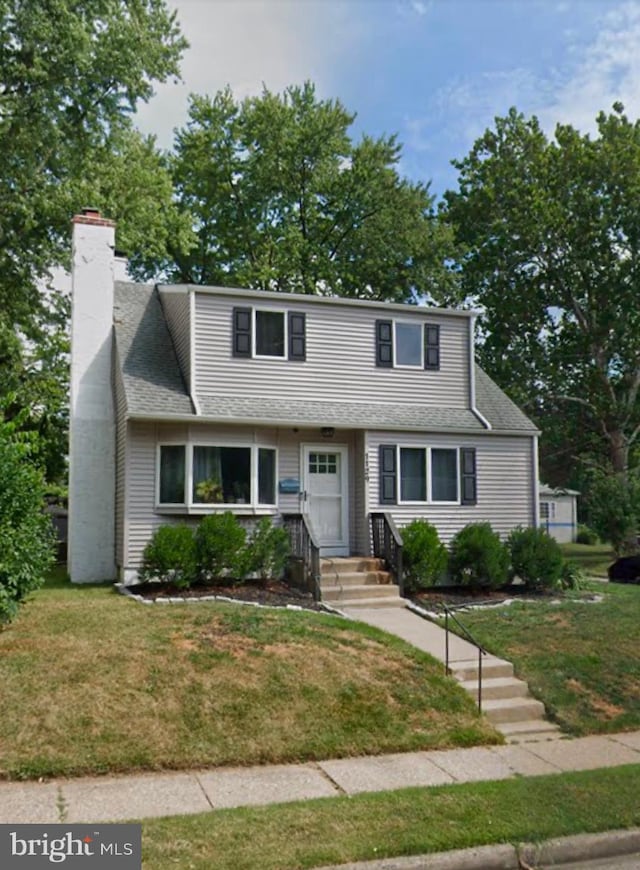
<point>619,452</point>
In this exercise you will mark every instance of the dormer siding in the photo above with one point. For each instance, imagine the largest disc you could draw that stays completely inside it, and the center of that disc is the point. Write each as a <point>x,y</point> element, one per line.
<point>340,361</point>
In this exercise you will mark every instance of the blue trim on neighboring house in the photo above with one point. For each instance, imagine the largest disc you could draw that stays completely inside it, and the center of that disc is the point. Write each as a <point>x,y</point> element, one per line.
<point>551,525</point>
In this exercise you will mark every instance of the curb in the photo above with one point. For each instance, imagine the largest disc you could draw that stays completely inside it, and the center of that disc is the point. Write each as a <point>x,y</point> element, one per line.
<point>548,853</point>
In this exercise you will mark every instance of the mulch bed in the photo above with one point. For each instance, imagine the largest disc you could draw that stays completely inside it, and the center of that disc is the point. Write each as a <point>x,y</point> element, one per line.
<point>459,596</point>
<point>274,594</point>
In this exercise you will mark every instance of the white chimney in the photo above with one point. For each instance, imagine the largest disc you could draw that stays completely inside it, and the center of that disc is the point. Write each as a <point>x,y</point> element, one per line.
<point>91,540</point>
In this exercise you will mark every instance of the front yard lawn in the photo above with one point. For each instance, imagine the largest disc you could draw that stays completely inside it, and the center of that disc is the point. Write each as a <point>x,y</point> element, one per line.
<point>408,822</point>
<point>581,659</point>
<point>93,682</point>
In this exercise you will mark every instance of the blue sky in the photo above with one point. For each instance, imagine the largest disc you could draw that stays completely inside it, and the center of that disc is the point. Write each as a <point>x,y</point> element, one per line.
<point>436,72</point>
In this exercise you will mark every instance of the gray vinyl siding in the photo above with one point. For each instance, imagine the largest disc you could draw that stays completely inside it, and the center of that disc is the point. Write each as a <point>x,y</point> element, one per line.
<point>143,517</point>
<point>121,461</point>
<point>176,307</point>
<point>504,468</point>
<point>340,357</point>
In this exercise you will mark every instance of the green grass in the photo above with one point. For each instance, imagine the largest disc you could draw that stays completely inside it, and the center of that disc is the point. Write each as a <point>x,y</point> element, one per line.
<point>93,682</point>
<point>407,822</point>
<point>580,659</point>
<point>592,558</point>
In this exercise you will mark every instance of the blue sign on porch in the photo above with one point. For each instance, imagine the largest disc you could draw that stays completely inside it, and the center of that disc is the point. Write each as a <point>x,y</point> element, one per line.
<point>289,485</point>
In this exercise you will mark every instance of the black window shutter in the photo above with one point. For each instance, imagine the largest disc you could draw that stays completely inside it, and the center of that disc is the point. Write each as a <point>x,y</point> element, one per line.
<point>388,473</point>
<point>468,476</point>
<point>242,332</point>
<point>384,343</point>
<point>431,347</point>
<point>297,336</point>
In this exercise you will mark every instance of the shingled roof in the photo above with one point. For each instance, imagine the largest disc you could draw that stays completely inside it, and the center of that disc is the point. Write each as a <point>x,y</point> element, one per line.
<point>154,386</point>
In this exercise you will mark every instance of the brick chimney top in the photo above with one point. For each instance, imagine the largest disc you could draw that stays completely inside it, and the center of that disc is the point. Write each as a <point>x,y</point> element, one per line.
<point>92,216</point>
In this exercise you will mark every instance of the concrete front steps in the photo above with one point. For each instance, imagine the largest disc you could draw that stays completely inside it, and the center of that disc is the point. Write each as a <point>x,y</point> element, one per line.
<point>506,701</point>
<point>356,581</point>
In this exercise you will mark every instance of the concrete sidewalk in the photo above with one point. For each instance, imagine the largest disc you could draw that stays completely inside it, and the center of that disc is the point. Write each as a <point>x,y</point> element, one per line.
<point>117,798</point>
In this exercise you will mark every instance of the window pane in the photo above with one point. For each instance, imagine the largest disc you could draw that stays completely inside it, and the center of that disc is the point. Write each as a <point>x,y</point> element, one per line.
<point>266,476</point>
<point>413,474</point>
<point>269,333</point>
<point>221,475</point>
<point>409,344</point>
<point>172,474</point>
<point>444,475</point>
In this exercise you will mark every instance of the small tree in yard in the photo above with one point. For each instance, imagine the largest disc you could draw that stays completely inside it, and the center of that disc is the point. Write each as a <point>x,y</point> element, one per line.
<point>612,503</point>
<point>26,533</point>
<point>478,557</point>
<point>536,558</point>
<point>424,555</point>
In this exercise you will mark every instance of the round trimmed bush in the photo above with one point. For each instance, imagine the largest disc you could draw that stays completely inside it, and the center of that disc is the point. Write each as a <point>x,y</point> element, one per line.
<point>424,555</point>
<point>586,536</point>
<point>536,558</point>
<point>478,558</point>
<point>268,550</point>
<point>220,548</point>
<point>170,556</point>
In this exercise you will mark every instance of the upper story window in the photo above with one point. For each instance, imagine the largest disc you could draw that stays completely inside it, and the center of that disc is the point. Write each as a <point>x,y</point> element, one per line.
<point>266,333</point>
<point>400,344</point>
<point>199,475</point>
<point>408,349</point>
<point>270,330</point>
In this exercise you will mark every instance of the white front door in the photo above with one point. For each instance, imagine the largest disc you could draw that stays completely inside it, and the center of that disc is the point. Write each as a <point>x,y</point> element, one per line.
<point>325,484</point>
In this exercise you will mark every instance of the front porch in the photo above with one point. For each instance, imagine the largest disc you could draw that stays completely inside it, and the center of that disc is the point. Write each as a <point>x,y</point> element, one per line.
<point>366,580</point>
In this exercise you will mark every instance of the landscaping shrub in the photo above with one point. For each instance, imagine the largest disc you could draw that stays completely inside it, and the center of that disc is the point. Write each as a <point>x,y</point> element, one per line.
<point>586,536</point>
<point>572,576</point>
<point>536,557</point>
<point>27,542</point>
<point>170,556</point>
<point>478,558</point>
<point>220,548</point>
<point>268,550</point>
<point>424,555</point>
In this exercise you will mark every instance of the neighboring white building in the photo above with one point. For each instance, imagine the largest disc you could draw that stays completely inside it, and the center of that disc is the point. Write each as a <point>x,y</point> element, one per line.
<point>340,417</point>
<point>559,513</point>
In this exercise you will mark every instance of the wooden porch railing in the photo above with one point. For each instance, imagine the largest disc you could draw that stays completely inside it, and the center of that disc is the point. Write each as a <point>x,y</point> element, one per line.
<point>305,554</point>
<point>387,544</point>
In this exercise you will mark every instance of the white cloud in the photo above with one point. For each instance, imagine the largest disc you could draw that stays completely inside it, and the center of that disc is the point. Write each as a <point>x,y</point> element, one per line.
<point>601,73</point>
<point>589,77</point>
<point>251,43</point>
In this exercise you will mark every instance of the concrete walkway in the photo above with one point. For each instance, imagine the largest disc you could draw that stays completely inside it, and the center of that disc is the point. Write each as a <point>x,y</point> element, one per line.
<point>421,633</point>
<point>117,798</point>
<point>506,700</point>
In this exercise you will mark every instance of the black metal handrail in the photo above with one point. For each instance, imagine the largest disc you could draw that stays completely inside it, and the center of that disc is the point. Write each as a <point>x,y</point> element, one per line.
<point>448,613</point>
<point>305,547</point>
<point>386,543</point>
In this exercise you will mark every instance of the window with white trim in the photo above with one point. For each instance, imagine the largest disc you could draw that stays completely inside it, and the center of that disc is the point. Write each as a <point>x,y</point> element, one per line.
<point>201,475</point>
<point>267,333</point>
<point>270,332</point>
<point>425,475</point>
<point>408,345</point>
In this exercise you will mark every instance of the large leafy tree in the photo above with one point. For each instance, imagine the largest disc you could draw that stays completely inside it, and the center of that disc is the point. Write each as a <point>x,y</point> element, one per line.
<point>71,73</point>
<point>552,232</point>
<point>282,199</point>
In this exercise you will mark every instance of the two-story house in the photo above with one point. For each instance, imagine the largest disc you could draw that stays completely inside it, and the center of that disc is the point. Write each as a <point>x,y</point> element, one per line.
<point>190,399</point>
